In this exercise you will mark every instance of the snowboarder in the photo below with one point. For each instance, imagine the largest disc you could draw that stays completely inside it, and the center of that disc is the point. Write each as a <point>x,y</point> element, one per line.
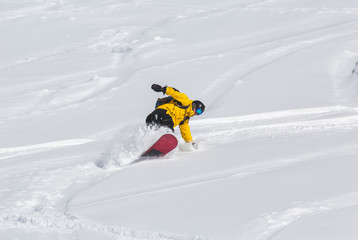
<point>174,110</point>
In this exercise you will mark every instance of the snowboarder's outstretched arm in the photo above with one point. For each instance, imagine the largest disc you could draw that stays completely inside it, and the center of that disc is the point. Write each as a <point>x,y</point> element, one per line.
<point>181,97</point>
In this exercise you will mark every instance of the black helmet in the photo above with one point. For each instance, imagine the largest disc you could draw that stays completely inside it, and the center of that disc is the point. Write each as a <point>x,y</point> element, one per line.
<point>198,107</point>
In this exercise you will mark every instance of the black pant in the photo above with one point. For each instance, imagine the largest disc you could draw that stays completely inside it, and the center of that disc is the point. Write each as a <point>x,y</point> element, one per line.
<point>159,118</point>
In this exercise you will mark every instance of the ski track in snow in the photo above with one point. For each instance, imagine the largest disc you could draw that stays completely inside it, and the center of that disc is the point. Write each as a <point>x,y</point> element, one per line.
<point>283,123</point>
<point>268,224</point>
<point>288,45</point>
<point>67,225</point>
<point>240,172</point>
<point>6,153</point>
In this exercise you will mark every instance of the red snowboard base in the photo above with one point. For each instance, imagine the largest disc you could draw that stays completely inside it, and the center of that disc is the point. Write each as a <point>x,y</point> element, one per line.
<point>164,145</point>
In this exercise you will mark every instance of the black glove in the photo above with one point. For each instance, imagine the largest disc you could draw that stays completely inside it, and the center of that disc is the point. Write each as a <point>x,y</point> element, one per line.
<point>195,145</point>
<point>158,88</point>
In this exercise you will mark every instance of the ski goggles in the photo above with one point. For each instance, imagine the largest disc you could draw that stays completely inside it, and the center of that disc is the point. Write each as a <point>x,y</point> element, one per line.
<point>198,111</point>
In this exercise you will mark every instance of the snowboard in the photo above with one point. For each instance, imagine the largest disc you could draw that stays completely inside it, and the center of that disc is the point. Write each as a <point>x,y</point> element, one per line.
<point>160,148</point>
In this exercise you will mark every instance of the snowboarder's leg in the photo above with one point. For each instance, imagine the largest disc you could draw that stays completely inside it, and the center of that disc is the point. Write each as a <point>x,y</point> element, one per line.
<point>159,118</point>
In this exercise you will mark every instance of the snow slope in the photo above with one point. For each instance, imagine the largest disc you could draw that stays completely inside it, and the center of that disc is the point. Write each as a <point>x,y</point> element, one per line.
<point>278,146</point>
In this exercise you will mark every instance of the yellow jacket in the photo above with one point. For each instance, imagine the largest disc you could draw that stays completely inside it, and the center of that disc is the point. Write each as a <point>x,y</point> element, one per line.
<point>180,114</point>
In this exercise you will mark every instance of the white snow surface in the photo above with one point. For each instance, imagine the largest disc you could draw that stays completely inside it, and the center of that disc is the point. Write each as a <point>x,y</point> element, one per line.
<point>277,153</point>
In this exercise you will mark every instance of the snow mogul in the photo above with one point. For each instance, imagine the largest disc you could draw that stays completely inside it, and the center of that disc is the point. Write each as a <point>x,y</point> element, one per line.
<point>174,110</point>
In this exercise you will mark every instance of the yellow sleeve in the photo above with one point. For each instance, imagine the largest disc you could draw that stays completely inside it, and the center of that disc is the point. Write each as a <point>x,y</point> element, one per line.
<point>185,132</point>
<point>181,97</point>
